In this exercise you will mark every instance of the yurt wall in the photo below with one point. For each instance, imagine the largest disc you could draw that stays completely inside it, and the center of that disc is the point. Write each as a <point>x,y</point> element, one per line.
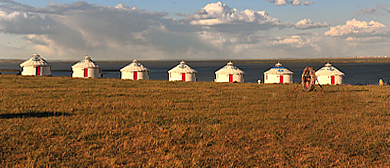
<point>177,76</point>
<point>46,70</point>
<point>86,72</point>
<point>135,75</point>
<point>330,80</point>
<point>238,78</point>
<point>271,78</point>
<point>26,71</point>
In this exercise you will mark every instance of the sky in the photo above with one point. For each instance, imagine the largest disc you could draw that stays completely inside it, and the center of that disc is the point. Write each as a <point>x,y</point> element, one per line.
<point>193,30</point>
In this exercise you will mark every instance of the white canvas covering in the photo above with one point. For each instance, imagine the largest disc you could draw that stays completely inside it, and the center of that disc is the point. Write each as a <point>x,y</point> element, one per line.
<point>229,73</point>
<point>278,74</point>
<point>329,75</point>
<point>182,72</point>
<point>36,66</point>
<point>135,71</point>
<point>86,63</point>
<point>86,69</point>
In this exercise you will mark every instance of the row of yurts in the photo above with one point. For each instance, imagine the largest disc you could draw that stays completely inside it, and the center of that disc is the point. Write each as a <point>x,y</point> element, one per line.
<point>87,68</point>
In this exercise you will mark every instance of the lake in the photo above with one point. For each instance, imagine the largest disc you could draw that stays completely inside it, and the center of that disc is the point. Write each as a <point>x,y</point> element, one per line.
<point>355,73</point>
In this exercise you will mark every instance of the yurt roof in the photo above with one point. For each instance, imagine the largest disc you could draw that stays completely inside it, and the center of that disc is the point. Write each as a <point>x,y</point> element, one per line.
<point>278,70</point>
<point>35,60</point>
<point>135,66</point>
<point>182,68</point>
<point>229,68</point>
<point>328,69</point>
<point>86,63</point>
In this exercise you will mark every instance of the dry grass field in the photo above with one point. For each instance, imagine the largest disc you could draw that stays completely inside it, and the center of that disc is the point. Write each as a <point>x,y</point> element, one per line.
<point>65,122</point>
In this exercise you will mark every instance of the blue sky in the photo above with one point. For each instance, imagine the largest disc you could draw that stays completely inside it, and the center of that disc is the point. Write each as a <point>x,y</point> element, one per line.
<point>187,29</point>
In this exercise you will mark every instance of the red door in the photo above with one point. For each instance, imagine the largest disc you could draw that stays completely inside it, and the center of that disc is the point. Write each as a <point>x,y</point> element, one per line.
<point>135,76</point>
<point>38,71</point>
<point>332,80</point>
<point>230,77</point>
<point>183,77</point>
<point>85,72</point>
<point>281,79</point>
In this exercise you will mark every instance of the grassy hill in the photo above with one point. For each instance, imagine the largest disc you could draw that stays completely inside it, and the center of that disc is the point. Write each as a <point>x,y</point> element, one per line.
<point>60,121</point>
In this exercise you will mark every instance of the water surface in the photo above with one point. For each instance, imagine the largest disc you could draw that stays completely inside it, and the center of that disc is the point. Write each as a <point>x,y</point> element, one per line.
<point>355,73</point>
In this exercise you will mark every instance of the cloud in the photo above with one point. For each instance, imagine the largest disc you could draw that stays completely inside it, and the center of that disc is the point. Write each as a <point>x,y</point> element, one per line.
<point>355,27</point>
<point>294,41</point>
<point>383,9</point>
<point>16,22</point>
<point>360,37</point>
<point>221,17</point>
<point>308,24</point>
<point>79,27</point>
<point>69,30</point>
<point>292,2</point>
<point>216,31</point>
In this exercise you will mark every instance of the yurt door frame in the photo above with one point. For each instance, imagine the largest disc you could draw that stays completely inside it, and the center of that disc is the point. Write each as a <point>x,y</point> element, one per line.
<point>281,79</point>
<point>85,72</point>
<point>183,76</point>
<point>38,70</point>
<point>135,75</point>
<point>332,80</point>
<point>230,78</point>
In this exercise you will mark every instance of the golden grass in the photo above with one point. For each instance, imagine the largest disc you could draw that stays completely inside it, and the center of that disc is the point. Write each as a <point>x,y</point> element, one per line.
<point>65,122</point>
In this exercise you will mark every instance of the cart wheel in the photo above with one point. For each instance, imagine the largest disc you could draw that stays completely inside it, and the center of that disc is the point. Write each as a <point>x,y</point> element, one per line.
<point>308,79</point>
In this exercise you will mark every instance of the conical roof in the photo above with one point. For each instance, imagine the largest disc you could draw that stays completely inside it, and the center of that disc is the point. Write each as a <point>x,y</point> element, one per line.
<point>35,60</point>
<point>328,69</point>
<point>134,66</point>
<point>278,70</point>
<point>86,63</point>
<point>229,68</point>
<point>182,68</point>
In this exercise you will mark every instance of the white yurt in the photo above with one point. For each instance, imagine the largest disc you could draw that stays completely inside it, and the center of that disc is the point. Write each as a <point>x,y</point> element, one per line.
<point>36,66</point>
<point>229,73</point>
<point>278,74</point>
<point>135,71</point>
<point>329,75</point>
<point>86,69</point>
<point>182,72</point>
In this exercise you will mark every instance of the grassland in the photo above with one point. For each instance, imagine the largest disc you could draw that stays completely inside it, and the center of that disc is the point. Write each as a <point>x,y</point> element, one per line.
<point>65,122</point>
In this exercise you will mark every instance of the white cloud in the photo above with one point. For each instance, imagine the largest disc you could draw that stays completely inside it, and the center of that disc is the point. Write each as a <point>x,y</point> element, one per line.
<point>292,2</point>
<point>294,41</point>
<point>360,37</point>
<point>307,2</point>
<point>222,17</point>
<point>278,2</point>
<point>357,27</point>
<point>308,24</point>
<point>24,23</point>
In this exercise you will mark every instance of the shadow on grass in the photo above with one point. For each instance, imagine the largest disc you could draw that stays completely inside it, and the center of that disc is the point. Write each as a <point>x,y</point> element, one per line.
<point>33,115</point>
